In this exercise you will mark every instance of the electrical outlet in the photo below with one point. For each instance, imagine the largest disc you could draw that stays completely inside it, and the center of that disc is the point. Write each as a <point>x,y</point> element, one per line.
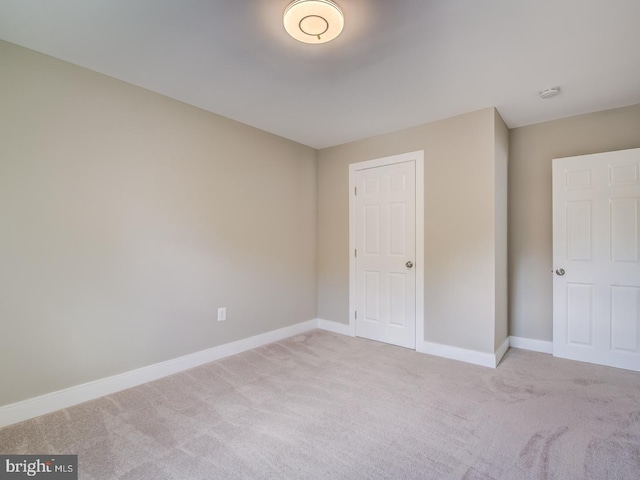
<point>222,314</point>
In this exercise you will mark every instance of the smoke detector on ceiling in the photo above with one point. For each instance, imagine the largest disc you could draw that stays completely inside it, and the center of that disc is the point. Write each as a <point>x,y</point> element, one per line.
<point>549,92</point>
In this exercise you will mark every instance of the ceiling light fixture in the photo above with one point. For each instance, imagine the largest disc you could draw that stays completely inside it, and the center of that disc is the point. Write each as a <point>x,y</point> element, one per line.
<point>313,21</point>
<point>549,92</point>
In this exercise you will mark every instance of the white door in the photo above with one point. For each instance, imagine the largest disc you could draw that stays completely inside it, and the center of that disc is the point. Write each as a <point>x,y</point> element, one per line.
<point>385,258</point>
<point>596,258</point>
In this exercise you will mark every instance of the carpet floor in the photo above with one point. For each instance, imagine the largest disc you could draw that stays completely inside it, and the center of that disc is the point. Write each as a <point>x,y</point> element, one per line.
<point>326,406</point>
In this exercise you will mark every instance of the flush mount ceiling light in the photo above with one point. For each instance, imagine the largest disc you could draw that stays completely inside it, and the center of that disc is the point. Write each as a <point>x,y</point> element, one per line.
<point>549,92</point>
<point>313,21</point>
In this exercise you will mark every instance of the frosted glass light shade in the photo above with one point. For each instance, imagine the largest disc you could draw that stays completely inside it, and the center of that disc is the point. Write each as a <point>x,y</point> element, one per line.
<point>313,21</point>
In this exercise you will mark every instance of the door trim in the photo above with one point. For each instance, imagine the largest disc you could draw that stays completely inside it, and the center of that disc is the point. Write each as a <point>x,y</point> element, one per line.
<point>418,158</point>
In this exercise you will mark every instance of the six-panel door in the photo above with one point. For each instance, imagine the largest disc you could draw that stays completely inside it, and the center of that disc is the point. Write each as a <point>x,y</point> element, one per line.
<point>596,258</point>
<point>385,244</point>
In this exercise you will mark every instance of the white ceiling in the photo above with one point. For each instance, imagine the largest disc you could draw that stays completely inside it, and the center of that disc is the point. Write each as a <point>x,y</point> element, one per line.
<point>398,63</point>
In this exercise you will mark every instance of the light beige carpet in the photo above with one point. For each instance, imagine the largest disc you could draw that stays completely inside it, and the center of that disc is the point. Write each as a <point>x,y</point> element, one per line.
<point>324,406</point>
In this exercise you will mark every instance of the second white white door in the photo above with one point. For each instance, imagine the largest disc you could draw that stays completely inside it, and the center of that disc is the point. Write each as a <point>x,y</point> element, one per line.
<point>596,255</point>
<point>385,254</point>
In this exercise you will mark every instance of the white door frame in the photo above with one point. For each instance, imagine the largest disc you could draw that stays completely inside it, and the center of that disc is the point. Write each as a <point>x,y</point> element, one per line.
<point>418,158</point>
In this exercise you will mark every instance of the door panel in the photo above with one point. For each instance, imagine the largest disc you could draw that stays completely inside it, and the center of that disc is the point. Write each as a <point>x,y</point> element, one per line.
<point>579,231</point>
<point>385,242</point>
<point>624,230</point>
<point>397,299</point>
<point>580,313</point>
<point>371,229</point>
<point>371,308</point>
<point>625,315</point>
<point>596,255</point>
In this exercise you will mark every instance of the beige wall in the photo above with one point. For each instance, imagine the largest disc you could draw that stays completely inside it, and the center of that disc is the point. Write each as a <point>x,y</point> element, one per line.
<point>501,199</point>
<point>460,228</point>
<point>128,218</point>
<point>530,234</point>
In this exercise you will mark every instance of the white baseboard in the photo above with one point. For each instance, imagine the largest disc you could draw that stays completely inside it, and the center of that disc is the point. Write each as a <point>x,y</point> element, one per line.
<point>483,359</point>
<point>33,407</point>
<point>502,349</point>
<point>532,344</point>
<point>336,327</point>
